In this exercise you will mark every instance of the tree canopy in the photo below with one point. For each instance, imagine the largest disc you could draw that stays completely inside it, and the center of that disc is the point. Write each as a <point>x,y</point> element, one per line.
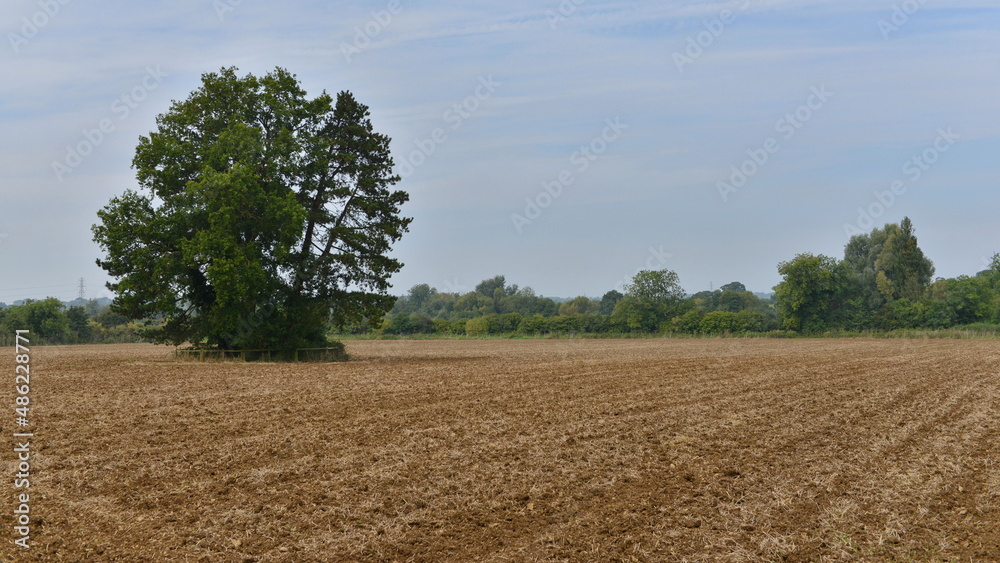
<point>652,297</point>
<point>888,264</point>
<point>884,281</point>
<point>809,294</point>
<point>263,217</point>
<point>655,303</point>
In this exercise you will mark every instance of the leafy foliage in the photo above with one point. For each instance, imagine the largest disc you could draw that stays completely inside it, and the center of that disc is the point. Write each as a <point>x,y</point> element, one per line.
<point>50,321</point>
<point>652,297</point>
<point>655,303</point>
<point>883,282</point>
<point>811,293</point>
<point>264,217</point>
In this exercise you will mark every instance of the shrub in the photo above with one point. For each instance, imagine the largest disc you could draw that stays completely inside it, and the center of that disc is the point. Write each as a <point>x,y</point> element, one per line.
<point>751,321</point>
<point>443,326</point>
<point>598,324</point>
<point>720,321</point>
<point>571,323</point>
<point>508,322</point>
<point>400,324</point>
<point>479,326</point>
<point>689,322</point>
<point>535,324</point>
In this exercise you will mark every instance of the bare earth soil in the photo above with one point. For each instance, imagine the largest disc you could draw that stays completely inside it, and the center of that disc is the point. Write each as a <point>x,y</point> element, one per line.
<point>574,450</point>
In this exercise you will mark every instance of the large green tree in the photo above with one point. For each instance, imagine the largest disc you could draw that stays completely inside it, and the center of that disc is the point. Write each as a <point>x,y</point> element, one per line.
<point>609,300</point>
<point>814,294</point>
<point>651,298</point>
<point>906,269</point>
<point>489,286</point>
<point>861,255</point>
<point>888,264</point>
<point>263,217</point>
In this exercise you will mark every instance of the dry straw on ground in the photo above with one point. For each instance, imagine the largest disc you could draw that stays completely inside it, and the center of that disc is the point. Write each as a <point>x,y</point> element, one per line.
<point>586,450</point>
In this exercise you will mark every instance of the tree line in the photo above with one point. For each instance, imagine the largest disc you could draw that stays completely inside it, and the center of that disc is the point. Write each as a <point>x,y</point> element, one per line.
<point>884,282</point>
<point>652,302</point>
<point>53,322</point>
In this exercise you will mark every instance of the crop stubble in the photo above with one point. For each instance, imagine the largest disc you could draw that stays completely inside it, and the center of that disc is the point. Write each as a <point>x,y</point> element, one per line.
<point>601,450</point>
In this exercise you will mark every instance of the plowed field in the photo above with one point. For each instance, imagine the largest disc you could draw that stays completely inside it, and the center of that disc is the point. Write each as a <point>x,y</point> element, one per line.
<point>577,450</point>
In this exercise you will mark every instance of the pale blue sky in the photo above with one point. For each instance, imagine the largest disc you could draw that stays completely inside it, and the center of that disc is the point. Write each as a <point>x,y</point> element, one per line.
<point>693,86</point>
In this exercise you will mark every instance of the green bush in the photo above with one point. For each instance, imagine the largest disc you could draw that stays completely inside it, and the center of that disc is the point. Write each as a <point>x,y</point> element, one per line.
<point>507,323</point>
<point>535,324</point>
<point>938,315</point>
<point>598,324</point>
<point>442,326</point>
<point>399,324</point>
<point>904,313</point>
<point>752,321</point>
<point>689,322</point>
<point>720,321</point>
<point>479,326</point>
<point>566,324</point>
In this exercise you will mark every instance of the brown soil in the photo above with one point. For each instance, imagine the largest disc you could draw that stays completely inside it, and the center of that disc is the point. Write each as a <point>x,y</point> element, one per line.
<point>579,450</point>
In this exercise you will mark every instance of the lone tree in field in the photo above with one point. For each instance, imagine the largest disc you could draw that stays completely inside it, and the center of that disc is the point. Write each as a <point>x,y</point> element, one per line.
<point>263,217</point>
